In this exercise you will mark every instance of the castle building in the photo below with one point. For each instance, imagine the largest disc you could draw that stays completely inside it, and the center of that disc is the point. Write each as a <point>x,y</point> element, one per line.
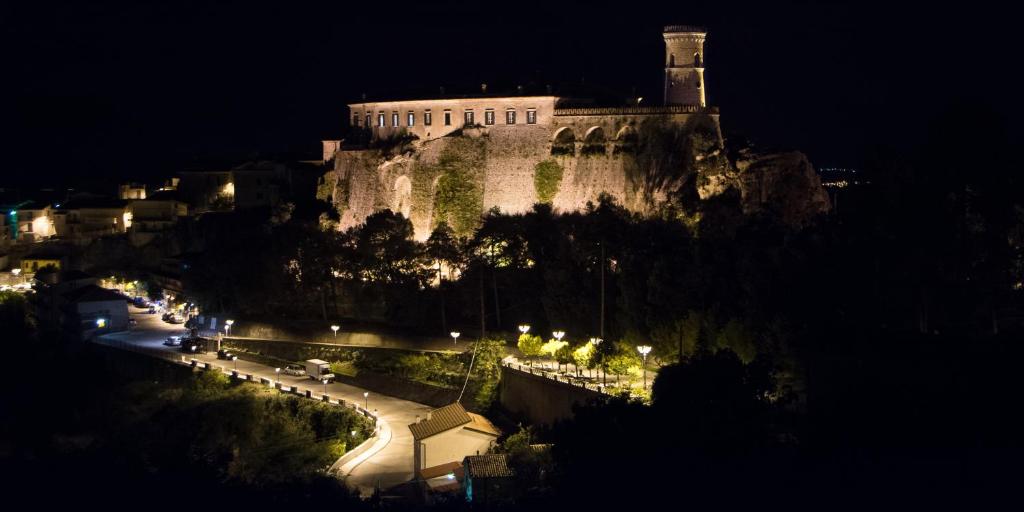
<point>587,143</point>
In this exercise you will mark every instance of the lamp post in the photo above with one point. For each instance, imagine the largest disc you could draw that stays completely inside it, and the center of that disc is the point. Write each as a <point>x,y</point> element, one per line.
<point>455,336</point>
<point>524,328</point>
<point>234,359</point>
<point>335,329</point>
<point>325,386</point>
<point>558,336</point>
<point>277,374</point>
<point>644,350</point>
<point>366,400</point>
<point>227,327</point>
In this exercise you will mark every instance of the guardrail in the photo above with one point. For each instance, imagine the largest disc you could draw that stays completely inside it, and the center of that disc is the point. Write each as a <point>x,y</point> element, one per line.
<point>557,377</point>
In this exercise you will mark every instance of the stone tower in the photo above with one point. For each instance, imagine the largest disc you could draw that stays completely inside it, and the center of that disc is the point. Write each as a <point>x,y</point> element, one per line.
<point>684,65</point>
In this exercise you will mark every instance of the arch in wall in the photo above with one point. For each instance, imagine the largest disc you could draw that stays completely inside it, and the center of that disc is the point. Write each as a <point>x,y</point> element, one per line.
<point>564,142</point>
<point>672,61</point>
<point>594,135</point>
<point>401,201</point>
<point>697,61</point>
<point>626,134</point>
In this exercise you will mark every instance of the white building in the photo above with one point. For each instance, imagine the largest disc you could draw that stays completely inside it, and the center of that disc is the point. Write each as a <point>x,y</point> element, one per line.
<point>447,436</point>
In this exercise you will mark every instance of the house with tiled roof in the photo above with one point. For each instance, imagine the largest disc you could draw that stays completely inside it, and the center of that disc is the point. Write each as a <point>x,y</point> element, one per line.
<point>448,435</point>
<point>487,478</point>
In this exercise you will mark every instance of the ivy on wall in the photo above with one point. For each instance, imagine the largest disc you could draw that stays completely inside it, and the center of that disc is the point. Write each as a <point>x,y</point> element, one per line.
<point>547,176</point>
<point>458,198</point>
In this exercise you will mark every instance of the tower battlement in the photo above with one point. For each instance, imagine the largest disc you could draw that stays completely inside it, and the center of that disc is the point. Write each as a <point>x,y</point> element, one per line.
<point>684,65</point>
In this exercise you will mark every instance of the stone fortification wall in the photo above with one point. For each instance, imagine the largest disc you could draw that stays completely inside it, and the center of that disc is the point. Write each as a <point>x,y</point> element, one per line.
<point>569,163</point>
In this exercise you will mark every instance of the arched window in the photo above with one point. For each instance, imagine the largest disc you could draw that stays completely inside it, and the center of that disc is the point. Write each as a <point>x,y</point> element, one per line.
<point>697,61</point>
<point>671,61</point>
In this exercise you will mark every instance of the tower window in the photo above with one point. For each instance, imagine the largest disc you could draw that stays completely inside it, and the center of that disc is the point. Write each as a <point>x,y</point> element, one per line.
<point>469,117</point>
<point>671,61</point>
<point>488,117</point>
<point>355,119</point>
<point>394,119</point>
<point>447,117</point>
<point>696,61</point>
<point>380,119</point>
<point>510,117</point>
<point>531,117</point>
<point>367,119</point>
<point>427,118</point>
<point>410,119</point>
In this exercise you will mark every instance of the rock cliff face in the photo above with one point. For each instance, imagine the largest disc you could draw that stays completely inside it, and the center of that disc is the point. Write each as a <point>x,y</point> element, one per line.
<point>458,178</point>
<point>783,185</point>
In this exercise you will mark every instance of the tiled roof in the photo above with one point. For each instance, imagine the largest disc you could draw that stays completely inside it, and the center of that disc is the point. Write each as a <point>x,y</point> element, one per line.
<point>93,293</point>
<point>481,424</point>
<point>487,466</point>
<point>443,419</point>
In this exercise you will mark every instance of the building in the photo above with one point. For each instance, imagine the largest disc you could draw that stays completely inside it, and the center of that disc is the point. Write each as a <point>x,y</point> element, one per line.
<point>91,310</point>
<point>82,220</point>
<point>147,218</point>
<point>129,191</point>
<point>510,144</point>
<point>446,436</point>
<point>487,478</point>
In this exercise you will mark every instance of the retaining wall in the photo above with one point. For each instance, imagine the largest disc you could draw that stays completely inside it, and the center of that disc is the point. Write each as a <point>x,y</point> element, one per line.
<point>542,400</point>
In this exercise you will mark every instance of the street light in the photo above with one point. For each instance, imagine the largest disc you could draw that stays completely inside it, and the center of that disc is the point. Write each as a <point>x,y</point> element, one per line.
<point>234,359</point>
<point>277,371</point>
<point>644,350</point>
<point>325,386</point>
<point>525,328</point>
<point>455,336</point>
<point>335,329</point>
<point>227,327</point>
<point>558,335</point>
<point>366,400</point>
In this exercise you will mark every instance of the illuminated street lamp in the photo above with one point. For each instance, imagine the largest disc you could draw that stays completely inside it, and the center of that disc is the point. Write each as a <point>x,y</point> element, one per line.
<point>325,386</point>
<point>227,327</point>
<point>277,372</point>
<point>558,335</point>
<point>644,350</point>
<point>335,329</point>
<point>234,359</point>
<point>455,336</point>
<point>524,328</point>
<point>366,400</point>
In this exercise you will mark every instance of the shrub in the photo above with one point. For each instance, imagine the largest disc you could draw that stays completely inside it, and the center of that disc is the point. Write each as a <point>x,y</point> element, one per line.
<point>547,176</point>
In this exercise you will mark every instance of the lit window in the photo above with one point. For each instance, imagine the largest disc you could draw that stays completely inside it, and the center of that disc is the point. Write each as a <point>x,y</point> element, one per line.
<point>394,119</point>
<point>380,119</point>
<point>447,118</point>
<point>469,117</point>
<point>410,119</point>
<point>489,117</point>
<point>355,119</point>
<point>531,117</point>
<point>427,118</point>
<point>510,117</point>
<point>367,120</point>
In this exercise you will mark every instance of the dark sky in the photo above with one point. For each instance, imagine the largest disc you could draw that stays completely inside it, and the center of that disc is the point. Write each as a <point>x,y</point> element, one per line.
<point>109,91</point>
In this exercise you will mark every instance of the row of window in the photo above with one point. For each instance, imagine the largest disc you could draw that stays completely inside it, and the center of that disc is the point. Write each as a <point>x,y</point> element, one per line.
<point>468,117</point>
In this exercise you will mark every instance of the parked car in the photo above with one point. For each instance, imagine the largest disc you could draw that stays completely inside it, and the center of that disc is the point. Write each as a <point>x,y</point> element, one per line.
<point>176,319</point>
<point>191,345</point>
<point>295,369</point>
<point>165,316</point>
<point>173,341</point>
<point>224,354</point>
<point>132,322</point>
<point>152,310</point>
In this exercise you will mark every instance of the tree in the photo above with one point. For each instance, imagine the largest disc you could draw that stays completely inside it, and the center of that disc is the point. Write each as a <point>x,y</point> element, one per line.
<point>530,345</point>
<point>584,356</point>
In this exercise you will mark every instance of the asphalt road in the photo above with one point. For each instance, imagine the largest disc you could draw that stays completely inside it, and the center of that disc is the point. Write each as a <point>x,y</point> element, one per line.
<point>387,464</point>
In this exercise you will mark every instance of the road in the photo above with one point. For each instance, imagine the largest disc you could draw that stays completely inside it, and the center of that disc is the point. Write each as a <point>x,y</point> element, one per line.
<point>387,464</point>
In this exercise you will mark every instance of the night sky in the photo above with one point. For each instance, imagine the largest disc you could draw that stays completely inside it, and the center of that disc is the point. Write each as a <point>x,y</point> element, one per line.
<point>107,92</point>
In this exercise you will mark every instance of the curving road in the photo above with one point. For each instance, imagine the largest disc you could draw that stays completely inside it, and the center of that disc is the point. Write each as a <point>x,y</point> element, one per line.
<point>389,461</point>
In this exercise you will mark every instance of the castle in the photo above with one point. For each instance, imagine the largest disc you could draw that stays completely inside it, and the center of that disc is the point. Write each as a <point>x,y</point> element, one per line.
<point>472,153</point>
